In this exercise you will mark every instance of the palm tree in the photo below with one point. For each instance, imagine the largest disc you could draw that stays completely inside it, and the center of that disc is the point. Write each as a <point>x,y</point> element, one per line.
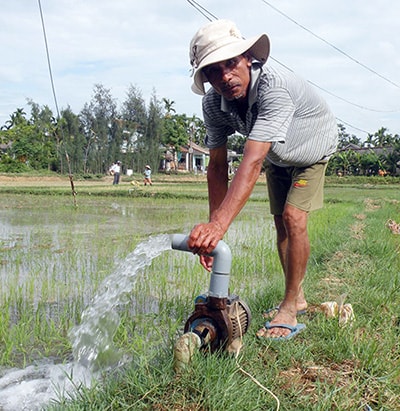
<point>369,142</point>
<point>169,107</point>
<point>16,118</point>
<point>382,138</point>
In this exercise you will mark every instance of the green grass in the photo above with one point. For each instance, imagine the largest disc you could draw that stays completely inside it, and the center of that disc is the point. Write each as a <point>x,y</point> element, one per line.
<point>326,367</point>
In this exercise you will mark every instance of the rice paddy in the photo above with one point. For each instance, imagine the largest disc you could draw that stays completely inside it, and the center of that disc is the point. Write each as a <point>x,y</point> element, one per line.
<point>54,256</point>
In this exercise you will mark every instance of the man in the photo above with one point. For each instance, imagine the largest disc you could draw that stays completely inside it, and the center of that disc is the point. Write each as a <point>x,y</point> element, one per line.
<point>287,123</point>
<point>116,171</point>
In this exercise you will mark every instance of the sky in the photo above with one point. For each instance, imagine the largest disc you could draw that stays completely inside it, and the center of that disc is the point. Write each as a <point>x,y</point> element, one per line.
<point>349,51</point>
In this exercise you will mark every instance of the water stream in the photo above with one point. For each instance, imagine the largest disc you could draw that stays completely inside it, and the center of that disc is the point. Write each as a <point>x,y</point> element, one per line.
<point>33,387</point>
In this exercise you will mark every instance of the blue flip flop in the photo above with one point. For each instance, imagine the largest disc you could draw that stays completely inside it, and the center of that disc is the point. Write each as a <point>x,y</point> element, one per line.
<point>270,312</point>
<point>293,330</point>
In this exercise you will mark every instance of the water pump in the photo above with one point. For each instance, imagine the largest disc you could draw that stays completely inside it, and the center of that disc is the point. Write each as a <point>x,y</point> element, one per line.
<point>219,320</point>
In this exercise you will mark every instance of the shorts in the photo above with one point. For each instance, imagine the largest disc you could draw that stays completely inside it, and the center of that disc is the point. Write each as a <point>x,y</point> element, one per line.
<point>301,187</point>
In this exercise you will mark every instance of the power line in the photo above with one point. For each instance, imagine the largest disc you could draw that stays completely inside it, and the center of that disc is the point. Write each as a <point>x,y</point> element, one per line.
<point>335,95</point>
<point>71,180</point>
<point>350,125</point>
<point>206,13</point>
<point>48,59</point>
<point>331,45</point>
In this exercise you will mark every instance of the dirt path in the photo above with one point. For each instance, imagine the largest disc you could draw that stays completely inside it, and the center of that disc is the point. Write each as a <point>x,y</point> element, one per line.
<point>43,181</point>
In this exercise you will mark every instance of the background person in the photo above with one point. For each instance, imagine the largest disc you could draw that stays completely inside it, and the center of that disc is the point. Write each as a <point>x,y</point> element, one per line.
<point>115,170</point>
<point>287,123</point>
<point>147,175</point>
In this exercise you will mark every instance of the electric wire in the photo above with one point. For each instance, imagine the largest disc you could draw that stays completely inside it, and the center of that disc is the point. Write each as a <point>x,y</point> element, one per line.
<point>335,95</point>
<point>206,13</point>
<point>243,371</point>
<point>202,10</point>
<point>56,102</point>
<point>350,125</point>
<point>48,60</point>
<point>331,45</point>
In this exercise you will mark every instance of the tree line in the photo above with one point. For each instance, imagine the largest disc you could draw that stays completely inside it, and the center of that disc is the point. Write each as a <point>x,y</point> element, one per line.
<point>379,154</point>
<point>138,134</point>
<point>89,142</point>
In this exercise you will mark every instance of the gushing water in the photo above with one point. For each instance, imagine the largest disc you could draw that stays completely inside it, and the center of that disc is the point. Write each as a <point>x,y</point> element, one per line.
<point>92,340</point>
<point>31,388</point>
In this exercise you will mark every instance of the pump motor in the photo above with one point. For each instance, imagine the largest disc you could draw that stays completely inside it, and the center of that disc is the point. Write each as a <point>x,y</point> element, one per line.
<point>219,320</point>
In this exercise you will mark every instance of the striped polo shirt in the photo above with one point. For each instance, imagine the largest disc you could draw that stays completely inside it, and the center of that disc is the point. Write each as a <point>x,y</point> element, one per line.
<point>283,109</point>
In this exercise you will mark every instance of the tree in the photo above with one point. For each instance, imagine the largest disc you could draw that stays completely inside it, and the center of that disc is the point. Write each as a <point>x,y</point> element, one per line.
<point>198,130</point>
<point>46,130</point>
<point>71,141</point>
<point>394,156</point>
<point>173,133</point>
<point>345,162</point>
<point>236,143</point>
<point>369,142</point>
<point>169,107</point>
<point>137,135</point>
<point>16,118</point>
<point>382,138</point>
<point>133,121</point>
<point>102,138</point>
<point>151,143</point>
<point>345,139</point>
<point>369,163</point>
<point>32,141</point>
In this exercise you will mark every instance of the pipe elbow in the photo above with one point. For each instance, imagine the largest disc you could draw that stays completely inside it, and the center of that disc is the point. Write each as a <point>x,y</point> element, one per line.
<point>221,253</point>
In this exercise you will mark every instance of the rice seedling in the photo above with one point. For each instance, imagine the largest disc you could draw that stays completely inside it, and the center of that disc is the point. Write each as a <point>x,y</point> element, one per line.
<point>54,259</point>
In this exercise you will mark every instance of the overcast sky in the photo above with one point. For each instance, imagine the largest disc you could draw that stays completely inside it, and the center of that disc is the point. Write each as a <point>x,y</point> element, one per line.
<point>144,43</point>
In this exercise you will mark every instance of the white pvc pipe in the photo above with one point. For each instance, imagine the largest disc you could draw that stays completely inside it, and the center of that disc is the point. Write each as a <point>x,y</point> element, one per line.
<point>219,282</point>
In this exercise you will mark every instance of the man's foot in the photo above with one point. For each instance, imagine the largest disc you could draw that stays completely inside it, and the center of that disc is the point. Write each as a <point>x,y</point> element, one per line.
<point>273,312</point>
<point>284,314</point>
<point>282,317</point>
<point>293,330</point>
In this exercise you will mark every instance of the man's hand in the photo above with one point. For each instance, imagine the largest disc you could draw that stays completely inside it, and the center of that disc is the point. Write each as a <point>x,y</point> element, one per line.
<point>207,262</point>
<point>204,238</point>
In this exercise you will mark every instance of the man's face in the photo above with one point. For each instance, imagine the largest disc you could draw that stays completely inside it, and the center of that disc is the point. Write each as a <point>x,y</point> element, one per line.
<point>230,78</point>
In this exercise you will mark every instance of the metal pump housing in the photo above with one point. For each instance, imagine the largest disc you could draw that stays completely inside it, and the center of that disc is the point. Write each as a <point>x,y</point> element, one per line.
<point>219,319</point>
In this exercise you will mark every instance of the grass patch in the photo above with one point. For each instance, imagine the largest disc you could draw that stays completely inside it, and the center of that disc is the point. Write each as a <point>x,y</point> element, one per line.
<point>69,251</point>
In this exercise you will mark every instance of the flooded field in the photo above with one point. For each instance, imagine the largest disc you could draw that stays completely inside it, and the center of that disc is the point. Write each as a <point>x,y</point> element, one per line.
<point>83,289</point>
<point>55,259</point>
<point>50,251</point>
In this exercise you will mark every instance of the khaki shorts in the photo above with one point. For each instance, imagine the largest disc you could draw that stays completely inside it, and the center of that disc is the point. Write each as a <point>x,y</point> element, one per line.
<point>301,187</point>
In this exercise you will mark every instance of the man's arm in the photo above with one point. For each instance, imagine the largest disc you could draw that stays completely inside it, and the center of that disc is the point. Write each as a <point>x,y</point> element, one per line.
<point>205,237</point>
<point>217,177</point>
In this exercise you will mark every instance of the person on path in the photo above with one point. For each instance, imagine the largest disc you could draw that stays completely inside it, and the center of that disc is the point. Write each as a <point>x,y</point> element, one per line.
<point>116,172</point>
<point>147,175</point>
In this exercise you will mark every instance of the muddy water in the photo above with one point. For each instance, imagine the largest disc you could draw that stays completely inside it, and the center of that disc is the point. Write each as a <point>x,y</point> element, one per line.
<point>92,340</point>
<point>52,254</point>
<point>50,250</point>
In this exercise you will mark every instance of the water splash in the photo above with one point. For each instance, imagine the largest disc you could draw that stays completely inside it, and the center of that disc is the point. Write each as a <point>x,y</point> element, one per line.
<point>29,389</point>
<point>92,340</point>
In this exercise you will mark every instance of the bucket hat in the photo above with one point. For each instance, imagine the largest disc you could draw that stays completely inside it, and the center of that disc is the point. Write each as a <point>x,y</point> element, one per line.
<point>219,41</point>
